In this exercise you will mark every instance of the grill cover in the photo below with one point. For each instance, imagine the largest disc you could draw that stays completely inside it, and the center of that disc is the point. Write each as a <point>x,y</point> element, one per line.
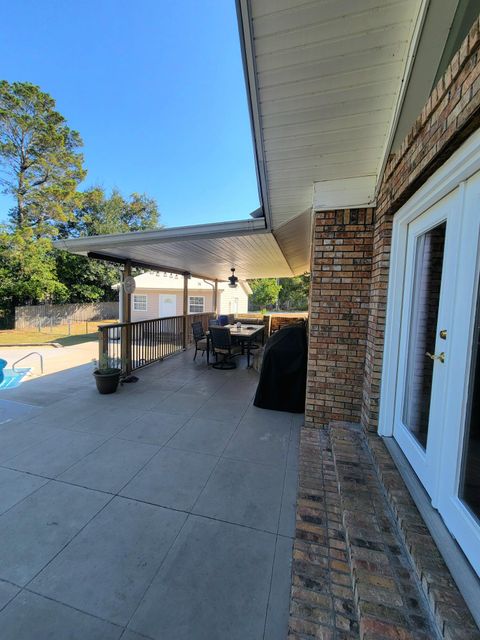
<point>283,378</point>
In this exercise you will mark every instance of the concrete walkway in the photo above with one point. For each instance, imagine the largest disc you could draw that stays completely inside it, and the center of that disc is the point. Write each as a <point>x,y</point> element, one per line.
<point>164,511</point>
<point>54,358</point>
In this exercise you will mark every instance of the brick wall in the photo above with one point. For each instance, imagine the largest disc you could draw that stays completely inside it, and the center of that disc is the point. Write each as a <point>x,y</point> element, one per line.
<point>339,298</point>
<point>450,116</point>
<point>350,255</point>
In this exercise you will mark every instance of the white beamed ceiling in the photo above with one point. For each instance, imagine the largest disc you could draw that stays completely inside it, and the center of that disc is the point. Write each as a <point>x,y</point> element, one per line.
<point>328,78</point>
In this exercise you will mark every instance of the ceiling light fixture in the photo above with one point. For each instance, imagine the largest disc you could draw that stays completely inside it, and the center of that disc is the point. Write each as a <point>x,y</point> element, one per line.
<point>233,280</point>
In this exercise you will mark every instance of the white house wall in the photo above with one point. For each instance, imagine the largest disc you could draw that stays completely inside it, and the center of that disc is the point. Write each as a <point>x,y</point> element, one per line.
<point>226,300</point>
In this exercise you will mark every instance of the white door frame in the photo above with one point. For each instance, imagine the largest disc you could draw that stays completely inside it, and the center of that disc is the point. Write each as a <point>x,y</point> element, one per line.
<point>426,461</point>
<point>458,168</point>
<point>453,175</point>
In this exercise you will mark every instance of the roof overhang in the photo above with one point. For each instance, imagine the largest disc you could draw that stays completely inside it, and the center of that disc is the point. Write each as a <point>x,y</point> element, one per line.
<point>208,251</point>
<point>332,85</point>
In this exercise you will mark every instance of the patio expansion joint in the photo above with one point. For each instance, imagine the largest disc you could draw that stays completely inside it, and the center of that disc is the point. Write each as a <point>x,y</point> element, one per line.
<point>107,439</point>
<point>65,604</point>
<point>189,514</point>
<point>26,588</point>
<point>277,535</point>
<point>70,540</point>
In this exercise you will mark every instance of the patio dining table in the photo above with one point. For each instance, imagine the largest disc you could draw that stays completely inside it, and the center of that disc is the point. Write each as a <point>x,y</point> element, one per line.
<point>246,334</point>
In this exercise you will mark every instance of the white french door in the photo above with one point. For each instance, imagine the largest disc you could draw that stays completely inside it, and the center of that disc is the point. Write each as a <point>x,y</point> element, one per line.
<point>430,271</point>
<point>459,471</point>
<point>430,398</point>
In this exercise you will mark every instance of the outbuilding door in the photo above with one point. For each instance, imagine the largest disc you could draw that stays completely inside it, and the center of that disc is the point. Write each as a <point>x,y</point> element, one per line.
<point>167,305</point>
<point>430,400</point>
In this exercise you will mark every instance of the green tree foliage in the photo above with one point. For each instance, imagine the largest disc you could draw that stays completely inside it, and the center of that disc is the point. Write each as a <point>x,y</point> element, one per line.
<point>265,292</point>
<point>41,168</point>
<point>27,270</point>
<point>91,280</point>
<point>40,162</point>
<point>86,280</point>
<point>288,294</point>
<point>98,214</point>
<point>294,293</point>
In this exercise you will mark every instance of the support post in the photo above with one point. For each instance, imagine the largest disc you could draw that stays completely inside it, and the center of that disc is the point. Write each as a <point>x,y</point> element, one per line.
<point>121,296</point>
<point>102,346</point>
<point>215,298</point>
<point>185,310</point>
<point>126,343</point>
<point>127,297</point>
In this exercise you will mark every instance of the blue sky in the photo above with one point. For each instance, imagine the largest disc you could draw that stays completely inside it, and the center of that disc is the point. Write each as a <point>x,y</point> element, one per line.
<point>156,90</point>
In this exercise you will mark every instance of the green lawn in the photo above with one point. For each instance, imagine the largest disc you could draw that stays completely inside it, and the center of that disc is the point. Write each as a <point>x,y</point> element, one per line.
<point>66,335</point>
<point>27,336</point>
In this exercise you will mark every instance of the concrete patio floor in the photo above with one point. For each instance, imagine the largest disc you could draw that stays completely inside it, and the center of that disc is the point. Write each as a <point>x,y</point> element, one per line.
<point>164,511</point>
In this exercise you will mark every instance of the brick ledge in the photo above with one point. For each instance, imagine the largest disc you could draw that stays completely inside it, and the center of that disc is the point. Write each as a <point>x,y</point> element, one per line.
<point>388,598</point>
<point>364,564</point>
<point>451,614</point>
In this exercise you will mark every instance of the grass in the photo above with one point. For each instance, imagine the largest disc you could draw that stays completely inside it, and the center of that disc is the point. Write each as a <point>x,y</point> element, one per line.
<point>34,337</point>
<point>79,333</point>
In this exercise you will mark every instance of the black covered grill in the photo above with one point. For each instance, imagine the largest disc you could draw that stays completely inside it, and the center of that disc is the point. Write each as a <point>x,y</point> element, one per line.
<point>283,378</point>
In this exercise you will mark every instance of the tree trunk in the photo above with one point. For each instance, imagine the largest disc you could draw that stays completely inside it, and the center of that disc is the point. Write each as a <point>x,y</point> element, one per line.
<point>20,202</point>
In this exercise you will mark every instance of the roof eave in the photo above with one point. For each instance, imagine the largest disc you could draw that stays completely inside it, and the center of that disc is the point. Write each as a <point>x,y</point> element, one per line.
<point>250,75</point>
<point>94,244</point>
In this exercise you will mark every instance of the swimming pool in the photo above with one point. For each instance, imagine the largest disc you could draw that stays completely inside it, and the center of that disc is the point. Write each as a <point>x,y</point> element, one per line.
<point>11,378</point>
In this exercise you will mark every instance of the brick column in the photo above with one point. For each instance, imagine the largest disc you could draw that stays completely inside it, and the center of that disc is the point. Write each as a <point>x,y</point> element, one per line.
<point>338,319</point>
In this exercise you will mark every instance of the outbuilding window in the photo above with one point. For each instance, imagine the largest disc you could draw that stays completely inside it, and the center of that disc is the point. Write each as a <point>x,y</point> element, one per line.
<point>196,304</point>
<point>139,302</point>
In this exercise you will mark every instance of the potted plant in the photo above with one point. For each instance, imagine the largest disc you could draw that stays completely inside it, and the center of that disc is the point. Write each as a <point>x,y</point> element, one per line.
<point>106,377</point>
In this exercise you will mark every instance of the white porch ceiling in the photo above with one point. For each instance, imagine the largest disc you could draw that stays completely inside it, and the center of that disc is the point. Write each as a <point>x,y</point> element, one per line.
<point>330,83</point>
<point>207,251</point>
<point>325,78</point>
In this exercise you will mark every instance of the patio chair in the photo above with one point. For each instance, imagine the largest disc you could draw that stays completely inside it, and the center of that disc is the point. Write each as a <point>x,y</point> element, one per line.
<point>223,347</point>
<point>201,343</point>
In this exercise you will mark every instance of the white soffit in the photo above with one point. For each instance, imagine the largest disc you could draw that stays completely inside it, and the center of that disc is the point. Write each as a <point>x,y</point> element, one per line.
<point>344,194</point>
<point>294,239</point>
<point>325,79</point>
<point>208,251</point>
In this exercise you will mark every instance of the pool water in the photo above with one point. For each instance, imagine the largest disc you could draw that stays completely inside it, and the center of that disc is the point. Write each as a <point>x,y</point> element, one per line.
<point>11,378</point>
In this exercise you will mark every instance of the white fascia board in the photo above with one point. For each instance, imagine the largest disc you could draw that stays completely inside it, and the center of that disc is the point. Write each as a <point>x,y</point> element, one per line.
<point>347,193</point>
<point>247,49</point>
<point>246,287</point>
<point>97,243</point>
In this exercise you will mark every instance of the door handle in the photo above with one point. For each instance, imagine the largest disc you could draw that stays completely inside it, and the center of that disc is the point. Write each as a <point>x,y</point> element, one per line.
<point>432,356</point>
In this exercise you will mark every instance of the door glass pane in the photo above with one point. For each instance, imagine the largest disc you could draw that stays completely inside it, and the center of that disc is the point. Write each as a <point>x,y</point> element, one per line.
<point>470,483</point>
<point>423,328</point>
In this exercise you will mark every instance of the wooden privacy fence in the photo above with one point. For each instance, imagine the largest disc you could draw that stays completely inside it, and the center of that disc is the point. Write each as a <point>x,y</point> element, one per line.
<point>133,345</point>
<point>278,320</point>
<point>273,321</point>
<point>51,315</point>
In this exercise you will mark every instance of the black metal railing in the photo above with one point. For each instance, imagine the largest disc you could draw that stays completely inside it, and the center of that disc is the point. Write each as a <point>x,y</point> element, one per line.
<point>133,345</point>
